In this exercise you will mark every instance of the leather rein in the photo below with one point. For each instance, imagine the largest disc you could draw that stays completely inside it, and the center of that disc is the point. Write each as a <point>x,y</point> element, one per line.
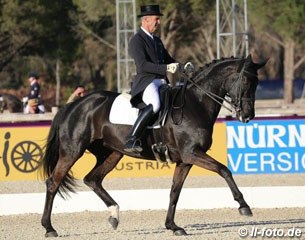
<point>234,103</point>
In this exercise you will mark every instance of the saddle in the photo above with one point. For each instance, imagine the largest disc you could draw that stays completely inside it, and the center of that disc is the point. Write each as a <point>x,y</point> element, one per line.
<point>122,112</point>
<point>122,107</point>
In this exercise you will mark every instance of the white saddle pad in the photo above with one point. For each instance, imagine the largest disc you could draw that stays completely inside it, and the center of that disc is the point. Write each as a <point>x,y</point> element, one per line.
<point>122,111</point>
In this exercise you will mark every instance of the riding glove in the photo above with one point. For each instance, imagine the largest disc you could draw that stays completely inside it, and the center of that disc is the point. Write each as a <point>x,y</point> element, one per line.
<point>172,68</point>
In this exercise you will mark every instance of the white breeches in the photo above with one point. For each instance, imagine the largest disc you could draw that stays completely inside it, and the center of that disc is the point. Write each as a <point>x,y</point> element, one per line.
<point>151,94</point>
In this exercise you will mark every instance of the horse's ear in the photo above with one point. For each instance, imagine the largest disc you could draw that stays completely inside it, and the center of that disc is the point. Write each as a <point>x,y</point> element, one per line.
<point>261,64</point>
<point>249,58</point>
<point>250,62</point>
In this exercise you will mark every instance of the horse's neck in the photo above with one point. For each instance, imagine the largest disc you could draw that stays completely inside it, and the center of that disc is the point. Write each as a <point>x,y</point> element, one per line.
<point>210,93</point>
<point>211,83</point>
<point>210,88</point>
<point>203,105</point>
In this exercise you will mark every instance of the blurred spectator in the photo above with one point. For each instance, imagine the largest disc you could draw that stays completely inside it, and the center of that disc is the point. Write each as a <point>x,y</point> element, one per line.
<point>34,86</point>
<point>34,106</point>
<point>33,98</point>
<point>79,91</point>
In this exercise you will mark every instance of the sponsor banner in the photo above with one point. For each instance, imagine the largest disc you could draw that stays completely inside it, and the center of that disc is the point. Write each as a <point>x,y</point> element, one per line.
<point>266,146</point>
<point>21,151</point>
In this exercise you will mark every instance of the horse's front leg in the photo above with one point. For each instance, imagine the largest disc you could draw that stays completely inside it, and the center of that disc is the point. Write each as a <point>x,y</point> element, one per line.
<point>201,159</point>
<point>181,172</point>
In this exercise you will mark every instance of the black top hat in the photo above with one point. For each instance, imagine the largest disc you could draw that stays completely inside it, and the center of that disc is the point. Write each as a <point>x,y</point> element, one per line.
<point>149,10</point>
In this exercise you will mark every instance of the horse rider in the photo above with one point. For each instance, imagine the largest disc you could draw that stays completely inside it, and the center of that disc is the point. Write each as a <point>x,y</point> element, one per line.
<point>35,87</point>
<point>34,94</point>
<point>152,63</point>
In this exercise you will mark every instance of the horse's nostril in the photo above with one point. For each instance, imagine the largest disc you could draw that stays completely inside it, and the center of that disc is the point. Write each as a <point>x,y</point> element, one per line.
<point>247,119</point>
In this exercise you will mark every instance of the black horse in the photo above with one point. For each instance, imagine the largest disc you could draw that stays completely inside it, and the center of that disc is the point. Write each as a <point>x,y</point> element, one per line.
<point>11,103</point>
<point>84,125</point>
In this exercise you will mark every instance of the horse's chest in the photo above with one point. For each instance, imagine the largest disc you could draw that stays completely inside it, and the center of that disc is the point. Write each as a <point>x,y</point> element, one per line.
<point>200,136</point>
<point>192,136</point>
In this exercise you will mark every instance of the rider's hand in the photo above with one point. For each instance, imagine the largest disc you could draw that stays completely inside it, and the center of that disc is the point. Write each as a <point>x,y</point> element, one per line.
<point>189,67</point>
<point>172,68</point>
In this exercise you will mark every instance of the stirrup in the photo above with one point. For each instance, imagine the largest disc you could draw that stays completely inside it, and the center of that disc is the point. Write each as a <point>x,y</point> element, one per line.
<point>160,151</point>
<point>135,146</point>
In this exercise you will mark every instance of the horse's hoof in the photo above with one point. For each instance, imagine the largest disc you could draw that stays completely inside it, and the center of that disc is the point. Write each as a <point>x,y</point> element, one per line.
<point>180,232</point>
<point>113,222</point>
<point>51,234</point>
<point>245,211</point>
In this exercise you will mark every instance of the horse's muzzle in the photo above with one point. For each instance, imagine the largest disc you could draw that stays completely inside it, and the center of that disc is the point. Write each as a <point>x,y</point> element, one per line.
<point>244,117</point>
<point>247,118</point>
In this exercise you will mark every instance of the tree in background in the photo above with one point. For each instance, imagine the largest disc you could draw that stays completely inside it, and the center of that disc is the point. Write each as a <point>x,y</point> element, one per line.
<point>95,27</point>
<point>19,33</point>
<point>41,33</point>
<point>58,42</point>
<point>200,32</point>
<point>73,42</point>
<point>283,23</point>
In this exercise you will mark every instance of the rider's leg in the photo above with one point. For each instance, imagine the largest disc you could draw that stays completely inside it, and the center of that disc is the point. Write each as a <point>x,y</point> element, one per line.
<point>133,144</point>
<point>151,94</point>
<point>152,99</point>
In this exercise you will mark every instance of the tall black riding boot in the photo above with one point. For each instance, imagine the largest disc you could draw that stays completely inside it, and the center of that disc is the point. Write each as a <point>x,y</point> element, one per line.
<point>133,143</point>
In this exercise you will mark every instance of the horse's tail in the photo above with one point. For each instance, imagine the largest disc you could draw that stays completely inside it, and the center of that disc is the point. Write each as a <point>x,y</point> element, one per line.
<point>51,155</point>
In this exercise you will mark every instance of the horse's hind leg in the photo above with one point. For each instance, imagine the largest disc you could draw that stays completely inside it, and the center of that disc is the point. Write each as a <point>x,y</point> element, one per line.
<point>205,161</point>
<point>53,183</point>
<point>105,163</point>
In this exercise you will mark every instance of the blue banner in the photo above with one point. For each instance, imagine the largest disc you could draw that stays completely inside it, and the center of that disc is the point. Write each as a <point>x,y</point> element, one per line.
<point>266,146</point>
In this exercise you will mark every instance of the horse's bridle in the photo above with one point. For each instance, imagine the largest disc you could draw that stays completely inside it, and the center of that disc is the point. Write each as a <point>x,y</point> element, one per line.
<point>236,103</point>
<point>233,102</point>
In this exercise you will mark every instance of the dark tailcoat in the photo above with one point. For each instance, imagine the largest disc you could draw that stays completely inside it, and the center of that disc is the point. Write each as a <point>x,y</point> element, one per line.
<point>34,91</point>
<point>151,59</point>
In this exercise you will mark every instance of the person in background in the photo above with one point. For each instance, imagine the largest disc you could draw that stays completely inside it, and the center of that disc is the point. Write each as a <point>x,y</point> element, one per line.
<point>33,95</point>
<point>79,92</point>
<point>34,106</point>
<point>34,86</point>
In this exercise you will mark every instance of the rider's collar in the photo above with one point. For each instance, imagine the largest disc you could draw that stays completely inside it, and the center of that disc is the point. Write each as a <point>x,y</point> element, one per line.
<point>149,34</point>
